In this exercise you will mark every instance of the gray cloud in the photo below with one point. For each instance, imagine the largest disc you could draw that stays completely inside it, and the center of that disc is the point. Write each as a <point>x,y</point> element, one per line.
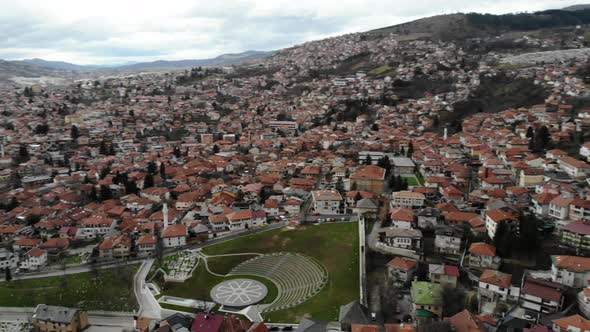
<point>114,31</point>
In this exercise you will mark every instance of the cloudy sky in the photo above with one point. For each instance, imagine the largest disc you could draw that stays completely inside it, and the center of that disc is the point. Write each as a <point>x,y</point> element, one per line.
<point>119,31</point>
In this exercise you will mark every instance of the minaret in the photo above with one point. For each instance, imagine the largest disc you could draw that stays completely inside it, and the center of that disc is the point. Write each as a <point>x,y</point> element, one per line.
<point>165,215</point>
<point>445,136</point>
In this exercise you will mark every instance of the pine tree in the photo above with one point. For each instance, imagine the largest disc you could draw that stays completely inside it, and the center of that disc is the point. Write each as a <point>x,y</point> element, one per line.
<point>368,161</point>
<point>410,150</point>
<point>162,171</point>
<point>74,132</point>
<point>148,182</point>
<point>530,132</point>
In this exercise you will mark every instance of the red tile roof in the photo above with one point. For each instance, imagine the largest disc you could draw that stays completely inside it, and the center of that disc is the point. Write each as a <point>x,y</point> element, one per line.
<point>497,278</point>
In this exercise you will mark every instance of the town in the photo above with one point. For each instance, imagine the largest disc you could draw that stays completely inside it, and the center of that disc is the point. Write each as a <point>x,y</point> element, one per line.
<point>366,182</point>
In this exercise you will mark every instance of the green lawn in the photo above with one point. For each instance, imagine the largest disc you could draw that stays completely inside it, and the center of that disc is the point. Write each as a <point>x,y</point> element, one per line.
<point>380,70</point>
<point>109,289</point>
<point>334,245</point>
<point>223,265</point>
<point>199,286</point>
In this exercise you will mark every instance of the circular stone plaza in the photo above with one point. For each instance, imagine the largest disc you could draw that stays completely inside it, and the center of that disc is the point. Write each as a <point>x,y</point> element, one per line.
<point>239,293</point>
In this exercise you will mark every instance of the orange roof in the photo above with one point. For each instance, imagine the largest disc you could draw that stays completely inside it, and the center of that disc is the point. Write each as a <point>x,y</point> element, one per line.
<point>147,239</point>
<point>175,230</point>
<point>403,262</point>
<point>400,327</point>
<point>35,252</point>
<point>464,322</point>
<point>364,328</point>
<point>572,263</point>
<point>498,215</point>
<point>481,248</point>
<point>369,172</point>
<point>497,278</point>
<point>402,214</point>
<point>572,321</point>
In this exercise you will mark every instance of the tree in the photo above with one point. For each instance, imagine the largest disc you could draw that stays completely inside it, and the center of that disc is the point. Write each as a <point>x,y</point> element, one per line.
<point>152,168</point>
<point>541,139</point>
<point>368,161</point>
<point>358,196</point>
<point>402,151</point>
<point>384,162</point>
<point>105,193</point>
<point>530,132</point>
<point>504,239</point>
<point>7,274</point>
<point>162,170</point>
<point>375,127</point>
<point>93,195</point>
<point>410,150</point>
<point>528,232</point>
<point>215,149</point>
<point>453,301</point>
<point>23,153</point>
<point>340,185</point>
<point>393,183</point>
<point>148,182</point>
<point>41,129</point>
<point>74,133</point>
<point>33,219</point>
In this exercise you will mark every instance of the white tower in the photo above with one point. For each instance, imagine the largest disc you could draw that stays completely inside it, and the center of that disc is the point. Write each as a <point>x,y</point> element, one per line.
<point>165,215</point>
<point>445,136</point>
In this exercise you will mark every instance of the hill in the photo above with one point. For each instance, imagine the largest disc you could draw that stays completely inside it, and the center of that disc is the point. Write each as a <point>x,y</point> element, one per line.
<point>222,60</point>
<point>471,25</point>
<point>58,65</point>
<point>577,7</point>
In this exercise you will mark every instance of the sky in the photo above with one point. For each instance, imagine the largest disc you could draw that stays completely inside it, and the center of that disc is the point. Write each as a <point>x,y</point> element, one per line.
<point>121,31</point>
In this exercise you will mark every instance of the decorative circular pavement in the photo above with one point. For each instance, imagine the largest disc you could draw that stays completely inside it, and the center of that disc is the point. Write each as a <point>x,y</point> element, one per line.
<point>239,292</point>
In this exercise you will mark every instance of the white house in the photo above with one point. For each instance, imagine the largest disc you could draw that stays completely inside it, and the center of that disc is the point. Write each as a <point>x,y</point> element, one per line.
<point>407,199</point>
<point>559,207</point>
<point>95,227</point>
<point>146,245</point>
<point>245,219</point>
<point>585,151</point>
<point>448,240</point>
<point>494,286</point>
<point>403,218</point>
<point>34,259</point>
<point>174,235</point>
<point>574,167</point>
<point>8,259</point>
<point>572,271</point>
<point>327,202</point>
<point>496,216</point>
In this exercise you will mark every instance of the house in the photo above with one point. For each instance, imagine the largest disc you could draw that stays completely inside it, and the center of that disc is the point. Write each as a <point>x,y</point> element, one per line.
<point>575,236</point>
<point>579,209</point>
<point>443,274</point>
<point>410,239</point>
<point>245,219</point>
<point>55,245</point>
<point>207,322</point>
<point>176,323</point>
<point>146,245</point>
<point>494,286</point>
<point>366,207</point>
<point>271,207</point>
<point>292,206</point>
<point>49,318</point>
<point>465,321</point>
<point>25,244</point>
<point>541,203</point>
<point>34,259</point>
<point>401,269</point>
<point>115,247</point>
<point>402,166</point>
<point>428,218</point>
<point>541,296</point>
<point>497,216</point>
<point>448,240</point>
<point>327,202</point>
<point>572,271</point>
<point>95,227</point>
<point>482,255</point>
<point>407,199</point>
<point>370,178</point>
<point>559,207</point>
<point>575,323</point>
<point>574,167</point>
<point>174,235</point>
<point>403,218</point>
<point>585,151</point>
<point>427,299</point>
<point>351,314</point>
<point>8,259</point>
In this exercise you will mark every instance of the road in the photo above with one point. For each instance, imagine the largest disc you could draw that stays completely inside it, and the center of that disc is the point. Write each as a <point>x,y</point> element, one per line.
<point>148,306</point>
<point>113,320</point>
<point>88,267</point>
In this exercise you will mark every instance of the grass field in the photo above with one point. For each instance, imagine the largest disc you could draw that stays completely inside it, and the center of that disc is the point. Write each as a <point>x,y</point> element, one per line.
<point>412,180</point>
<point>109,289</point>
<point>199,286</point>
<point>380,70</point>
<point>334,245</point>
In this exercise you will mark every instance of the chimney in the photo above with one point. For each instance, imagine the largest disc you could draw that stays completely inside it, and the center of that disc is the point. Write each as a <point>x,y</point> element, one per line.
<point>165,215</point>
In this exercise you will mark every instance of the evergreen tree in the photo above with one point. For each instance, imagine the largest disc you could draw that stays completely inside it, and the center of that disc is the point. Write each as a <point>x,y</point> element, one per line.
<point>93,195</point>
<point>410,150</point>
<point>105,193</point>
<point>7,274</point>
<point>530,132</point>
<point>162,171</point>
<point>152,168</point>
<point>368,161</point>
<point>215,149</point>
<point>340,185</point>
<point>148,182</point>
<point>74,133</point>
<point>23,153</point>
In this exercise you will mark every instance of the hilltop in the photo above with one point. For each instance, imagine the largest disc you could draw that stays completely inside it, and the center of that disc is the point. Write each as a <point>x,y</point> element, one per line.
<point>472,25</point>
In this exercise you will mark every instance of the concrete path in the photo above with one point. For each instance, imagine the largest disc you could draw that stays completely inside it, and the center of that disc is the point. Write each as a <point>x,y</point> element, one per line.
<point>148,305</point>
